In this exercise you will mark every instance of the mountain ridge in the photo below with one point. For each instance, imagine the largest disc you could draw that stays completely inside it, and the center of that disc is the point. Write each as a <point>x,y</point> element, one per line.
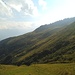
<point>43,45</point>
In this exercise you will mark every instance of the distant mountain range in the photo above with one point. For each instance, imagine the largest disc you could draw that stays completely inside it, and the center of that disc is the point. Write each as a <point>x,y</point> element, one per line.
<point>52,43</point>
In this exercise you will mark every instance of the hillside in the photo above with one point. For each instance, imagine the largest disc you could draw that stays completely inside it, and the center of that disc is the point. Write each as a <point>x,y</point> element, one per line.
<point>47,44</point>
<point>59,47</point>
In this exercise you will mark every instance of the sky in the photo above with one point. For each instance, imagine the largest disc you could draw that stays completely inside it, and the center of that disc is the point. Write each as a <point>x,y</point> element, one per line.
<point>21,16</point>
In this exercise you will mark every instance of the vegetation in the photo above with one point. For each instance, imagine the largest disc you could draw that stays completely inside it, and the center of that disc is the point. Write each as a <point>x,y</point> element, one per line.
<point>38,69</point>
<point>54,43</point>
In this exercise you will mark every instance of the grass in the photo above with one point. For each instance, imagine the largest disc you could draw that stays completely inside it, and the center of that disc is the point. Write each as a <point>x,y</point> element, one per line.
<point>38,69</point>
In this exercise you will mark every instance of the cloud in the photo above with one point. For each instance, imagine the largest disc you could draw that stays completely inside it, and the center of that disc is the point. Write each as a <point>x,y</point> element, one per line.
<point>15,25</point>
<point>25,7</point>
<point>17,7</point>
<point>14,4</point>
<point>10,9</point>
<point>5,10</point>
<point>29,8</point>
<point>43,4</point>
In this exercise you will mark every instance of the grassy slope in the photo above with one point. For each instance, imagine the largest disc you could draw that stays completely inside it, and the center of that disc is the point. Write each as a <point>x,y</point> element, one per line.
<point>50,44</point>
<point>21,45</point>
<point>58,47</point>
<point>38,69</point>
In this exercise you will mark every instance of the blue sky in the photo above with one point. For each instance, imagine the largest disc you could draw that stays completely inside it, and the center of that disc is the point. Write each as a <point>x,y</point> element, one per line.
<point>24,16</point>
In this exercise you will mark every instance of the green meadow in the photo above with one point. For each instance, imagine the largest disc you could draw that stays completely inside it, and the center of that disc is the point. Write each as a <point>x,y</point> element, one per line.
<point>38,69</point>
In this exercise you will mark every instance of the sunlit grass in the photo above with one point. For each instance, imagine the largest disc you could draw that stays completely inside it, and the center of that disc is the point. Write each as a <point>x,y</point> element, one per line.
<point>38,69</point>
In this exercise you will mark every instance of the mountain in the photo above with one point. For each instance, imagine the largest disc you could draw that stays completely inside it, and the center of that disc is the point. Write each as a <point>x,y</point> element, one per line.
<point>53,43</point>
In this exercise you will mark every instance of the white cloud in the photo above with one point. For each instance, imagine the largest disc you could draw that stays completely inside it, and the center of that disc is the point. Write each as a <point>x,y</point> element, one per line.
<point>15,25</point>
<point>26,7</point>
<point>23,7</point>
<point>5,10</point>
<point>17,7</point>
<point>43,4</point>
<point>29,8</point>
